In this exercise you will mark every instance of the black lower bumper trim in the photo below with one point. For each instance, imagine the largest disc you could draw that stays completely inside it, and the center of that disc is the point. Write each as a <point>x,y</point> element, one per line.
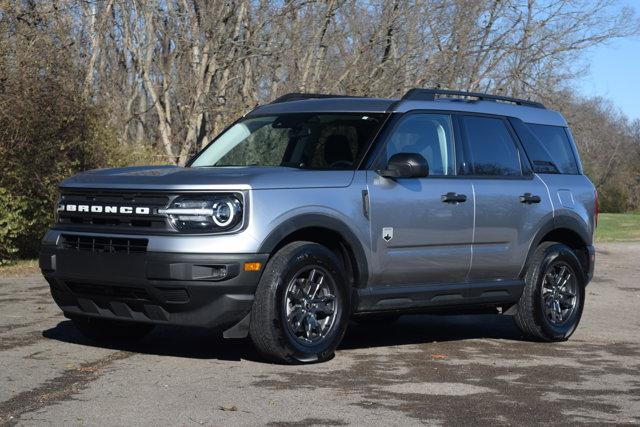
<point>201,290</point>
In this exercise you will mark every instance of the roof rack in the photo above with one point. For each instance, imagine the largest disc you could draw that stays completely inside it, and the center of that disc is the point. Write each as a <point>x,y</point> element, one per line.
<point>431,94</point>
<point>298,96</point>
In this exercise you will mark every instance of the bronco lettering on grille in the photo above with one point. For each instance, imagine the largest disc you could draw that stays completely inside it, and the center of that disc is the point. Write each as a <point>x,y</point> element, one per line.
<point>123,210</point>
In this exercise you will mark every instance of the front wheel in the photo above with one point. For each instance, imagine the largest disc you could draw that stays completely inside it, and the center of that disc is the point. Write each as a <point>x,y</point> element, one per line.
<point>301,307</point>
<point>551,304</point>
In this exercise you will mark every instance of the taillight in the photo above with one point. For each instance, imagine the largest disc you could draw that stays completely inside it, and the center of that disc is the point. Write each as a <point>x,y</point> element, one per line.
<point>596,207</point>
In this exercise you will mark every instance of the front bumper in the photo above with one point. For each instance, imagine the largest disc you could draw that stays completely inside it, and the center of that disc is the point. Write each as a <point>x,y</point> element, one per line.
<point>201,290</point>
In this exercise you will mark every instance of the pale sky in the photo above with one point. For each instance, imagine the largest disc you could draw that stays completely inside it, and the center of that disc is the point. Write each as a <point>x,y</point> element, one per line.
<point>615,72</point>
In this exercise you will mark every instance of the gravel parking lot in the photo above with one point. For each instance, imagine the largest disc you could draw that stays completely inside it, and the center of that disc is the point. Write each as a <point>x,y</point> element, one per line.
<point>422,369</point>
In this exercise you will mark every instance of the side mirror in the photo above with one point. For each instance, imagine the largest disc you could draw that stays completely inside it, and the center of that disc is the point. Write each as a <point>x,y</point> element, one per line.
<point>406,165</point>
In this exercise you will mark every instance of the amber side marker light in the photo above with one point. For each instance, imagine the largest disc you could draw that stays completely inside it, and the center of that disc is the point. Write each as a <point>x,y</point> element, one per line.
<point>252,266</point>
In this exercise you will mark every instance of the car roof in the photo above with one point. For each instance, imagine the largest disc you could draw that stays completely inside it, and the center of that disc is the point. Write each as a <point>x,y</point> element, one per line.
<point>327,105</point>
<point>528,112</point>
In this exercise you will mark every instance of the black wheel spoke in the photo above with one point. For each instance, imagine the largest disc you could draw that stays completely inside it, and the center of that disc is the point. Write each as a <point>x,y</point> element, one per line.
<point>567,294</point>
<point>294,296</point>
<point>295,317</point>
<point>549,282</point>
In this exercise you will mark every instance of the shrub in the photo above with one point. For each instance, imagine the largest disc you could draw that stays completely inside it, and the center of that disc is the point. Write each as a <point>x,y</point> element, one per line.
<point>14,223</point>
<point>43,140</point>
<point>613,200</point>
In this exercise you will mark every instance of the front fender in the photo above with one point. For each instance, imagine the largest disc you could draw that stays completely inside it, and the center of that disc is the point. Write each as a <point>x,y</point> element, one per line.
<point>302,221</point>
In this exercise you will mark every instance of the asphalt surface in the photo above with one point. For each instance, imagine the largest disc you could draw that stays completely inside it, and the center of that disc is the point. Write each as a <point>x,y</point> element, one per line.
<point>420,370</point>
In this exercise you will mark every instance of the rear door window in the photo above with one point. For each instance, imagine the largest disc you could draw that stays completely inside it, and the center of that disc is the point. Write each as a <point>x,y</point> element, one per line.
<point>490,148</point>
<point>556,142</point>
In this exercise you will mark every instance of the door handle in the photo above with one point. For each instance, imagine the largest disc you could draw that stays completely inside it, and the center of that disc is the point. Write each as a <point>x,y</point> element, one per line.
<point>453,198</point>
<point>529,198</point>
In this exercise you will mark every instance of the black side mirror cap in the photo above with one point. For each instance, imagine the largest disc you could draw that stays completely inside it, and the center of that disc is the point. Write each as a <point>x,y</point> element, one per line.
<point>406,165</point>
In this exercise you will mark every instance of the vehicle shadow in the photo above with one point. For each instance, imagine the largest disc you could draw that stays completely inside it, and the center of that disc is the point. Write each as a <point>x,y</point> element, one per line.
<point>202,344</point>
<point>424,328</point>
<point>165,341</point>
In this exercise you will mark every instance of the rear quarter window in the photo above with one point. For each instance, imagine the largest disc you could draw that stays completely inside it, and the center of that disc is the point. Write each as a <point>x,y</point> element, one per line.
<point>555,141</point>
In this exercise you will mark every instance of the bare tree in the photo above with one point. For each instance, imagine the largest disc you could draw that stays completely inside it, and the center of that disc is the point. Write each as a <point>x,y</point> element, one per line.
<point>174,72</point>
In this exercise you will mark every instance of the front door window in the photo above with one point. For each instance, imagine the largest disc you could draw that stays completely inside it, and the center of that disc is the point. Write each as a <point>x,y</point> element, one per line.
<point>429,135</point>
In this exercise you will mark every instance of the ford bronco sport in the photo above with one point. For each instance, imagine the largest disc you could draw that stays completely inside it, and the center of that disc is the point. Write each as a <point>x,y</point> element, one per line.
<point>316,209</point>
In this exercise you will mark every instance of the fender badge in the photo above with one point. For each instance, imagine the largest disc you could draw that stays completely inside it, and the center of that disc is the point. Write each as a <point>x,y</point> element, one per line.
<point>387,233</point>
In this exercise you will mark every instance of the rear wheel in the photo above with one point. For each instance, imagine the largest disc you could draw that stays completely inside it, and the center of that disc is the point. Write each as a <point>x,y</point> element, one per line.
<point>551,304</point>
<point>103,329</point>
<point>300,311</point>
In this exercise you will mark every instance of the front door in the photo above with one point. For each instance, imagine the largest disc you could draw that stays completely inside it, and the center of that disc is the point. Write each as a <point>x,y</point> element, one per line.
<point>421,228</point>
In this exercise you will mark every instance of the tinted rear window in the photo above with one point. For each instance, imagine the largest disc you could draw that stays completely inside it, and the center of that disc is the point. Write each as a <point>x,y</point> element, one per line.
<point>491,148</point>
<point>557,144</point>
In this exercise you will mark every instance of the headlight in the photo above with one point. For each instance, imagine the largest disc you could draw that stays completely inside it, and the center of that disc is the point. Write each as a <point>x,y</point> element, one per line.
<point>206,213</point>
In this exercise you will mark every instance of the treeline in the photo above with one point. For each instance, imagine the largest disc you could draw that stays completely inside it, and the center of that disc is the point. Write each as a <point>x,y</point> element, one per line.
<point>609,145</point>
<point>94,83</point>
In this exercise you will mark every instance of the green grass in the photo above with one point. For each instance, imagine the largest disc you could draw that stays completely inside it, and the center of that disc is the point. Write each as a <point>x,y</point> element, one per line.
<point>618,227</point>
<point>20,267</point>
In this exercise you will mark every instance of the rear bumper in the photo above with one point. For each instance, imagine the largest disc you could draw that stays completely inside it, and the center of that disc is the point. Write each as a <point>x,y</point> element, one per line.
<point>202,290</point>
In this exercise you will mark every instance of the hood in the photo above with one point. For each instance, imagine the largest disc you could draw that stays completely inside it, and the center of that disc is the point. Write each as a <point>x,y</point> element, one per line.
<point>208,178</point>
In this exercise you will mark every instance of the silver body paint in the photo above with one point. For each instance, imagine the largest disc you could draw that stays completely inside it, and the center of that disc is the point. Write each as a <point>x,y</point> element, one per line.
<point>485,239</point>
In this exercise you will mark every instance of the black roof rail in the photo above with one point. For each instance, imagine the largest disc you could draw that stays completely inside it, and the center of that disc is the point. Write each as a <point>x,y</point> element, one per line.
<point>298,96</point>
<point>418,94</point>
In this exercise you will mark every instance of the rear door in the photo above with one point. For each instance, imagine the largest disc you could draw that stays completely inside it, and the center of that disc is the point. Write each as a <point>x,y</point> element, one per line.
<point>419,236</point>
<point>511,202</point>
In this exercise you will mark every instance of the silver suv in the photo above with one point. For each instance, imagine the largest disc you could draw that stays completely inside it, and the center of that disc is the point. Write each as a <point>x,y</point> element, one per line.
<point>317,209</point>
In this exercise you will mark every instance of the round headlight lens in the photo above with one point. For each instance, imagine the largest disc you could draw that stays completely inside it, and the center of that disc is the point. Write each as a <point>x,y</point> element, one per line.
<point>207,213</point>
<point>224,213</point>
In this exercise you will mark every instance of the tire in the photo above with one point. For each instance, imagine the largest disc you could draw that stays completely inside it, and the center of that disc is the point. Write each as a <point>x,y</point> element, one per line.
<point>538,316</point>
<point>109,330</point>
<point>284,292</point>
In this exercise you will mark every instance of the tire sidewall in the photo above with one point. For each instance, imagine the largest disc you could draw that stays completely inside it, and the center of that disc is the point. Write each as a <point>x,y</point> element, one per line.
<point>553,254</point>
<point>312,254</point>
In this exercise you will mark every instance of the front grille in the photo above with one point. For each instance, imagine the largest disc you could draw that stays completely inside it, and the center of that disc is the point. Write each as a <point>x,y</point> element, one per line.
<point>103,244</point>
<point>120,222</point>
<point>121,292</point>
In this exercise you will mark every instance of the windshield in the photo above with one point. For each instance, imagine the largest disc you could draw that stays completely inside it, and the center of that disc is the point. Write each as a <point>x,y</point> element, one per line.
<point>308,141</point>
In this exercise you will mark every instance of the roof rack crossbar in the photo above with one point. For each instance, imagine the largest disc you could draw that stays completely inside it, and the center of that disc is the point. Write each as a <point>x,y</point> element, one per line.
<point>418,94</point>
<point>298,96</point>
